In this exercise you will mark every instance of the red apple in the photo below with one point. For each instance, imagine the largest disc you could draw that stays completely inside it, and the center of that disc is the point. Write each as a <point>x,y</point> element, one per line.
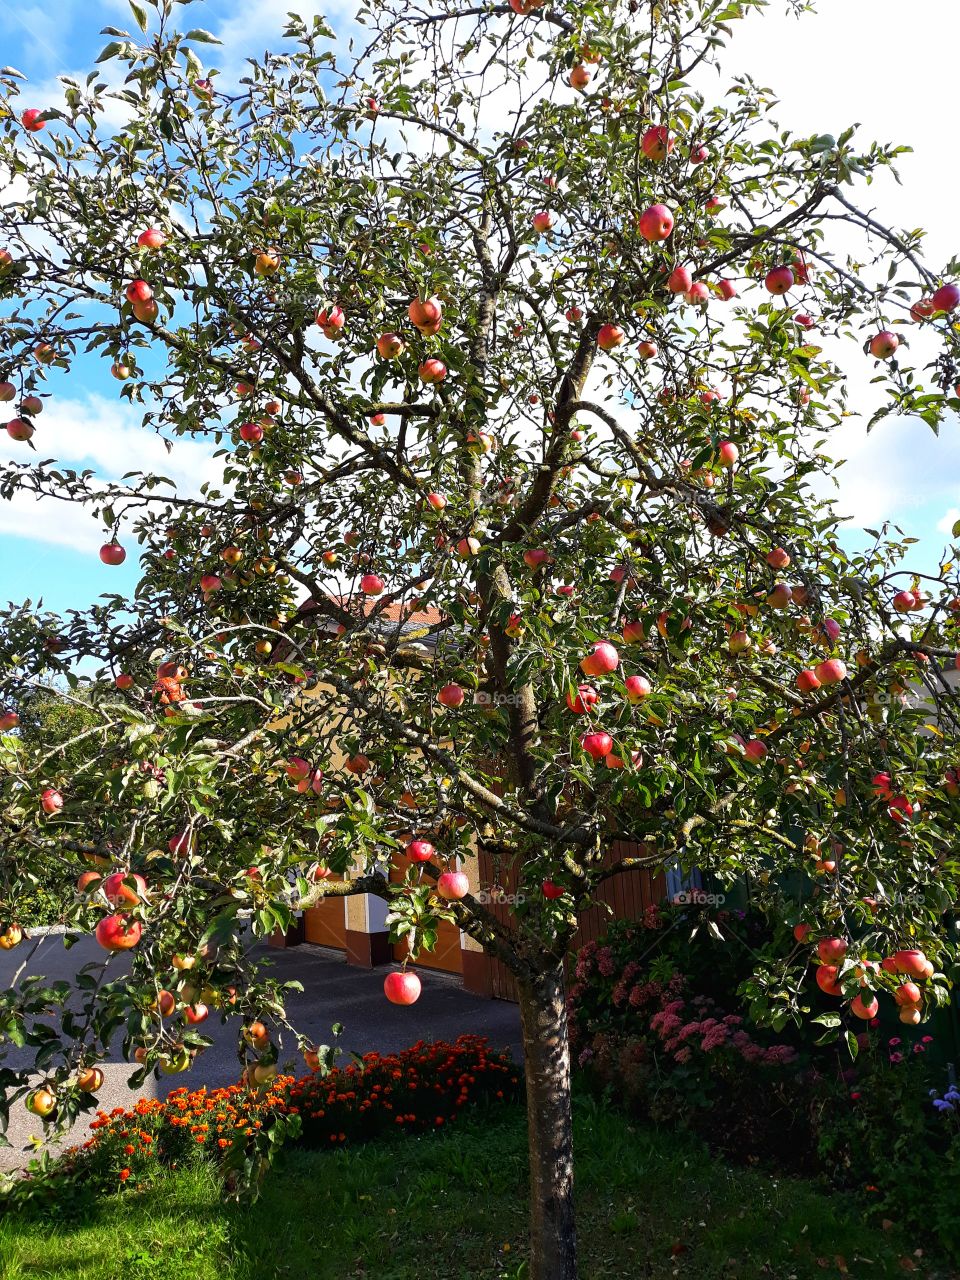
<point>579,77</point>
<point>586,697</point>
<point>778,558</point>
<point>830,672</point>
<point>832,950</point>
<point>86,880</point>
<point>656,223</point>
<point>118,890</point>
<point>679,280</point>
<point>452,886</point>
<point>138,291</point>
<point>572,315</point>
<point>209,583</point>
<point>905,601</point>
<point>946,298</point>
<point>610,336</point>
<point>145,312</point>
<point>728,454</point>
<point>89,1079</point>
<point>196,1013</point>
<point>536,558</point>
<point>801,932</point>
<point>827,980</point>
<point>908,993</point>
<point>633,633</point>
<point>551,890</point>
<point>601,659</point>
<point>419,851</point>
<point>19,429</point>
<point>31,406</point>
<point>432,371</point>
<point>738,642</point>
<point>597,745</point>
<point>31,120</point>
<point>331,320</point>
<point>451,695</point>
<point>779,280</point>
<point>390,346</point>
<point>697,293</point>
<point>437,501</point>
<point>425,313</point>
<point>8,392</point>
<point>151,239</point>
<point>358,764</point>
<point>468,547</point>
<point>401,987</point>
<point>657,143</point>
<point>780,596</point>
<point>112,553</point>
<point>807,681</point>
<point>51,801</point>
<point>117,933</point>
<point>884,344</point>
<point>647,350</point>
<point>371,584</point>
<point>755,750</point>
<point>542,221</point>
<point>865,1009</point>
<point>637,687</point>
<point>913,963</point>
<point>251,432</point>
<point>8,720</point>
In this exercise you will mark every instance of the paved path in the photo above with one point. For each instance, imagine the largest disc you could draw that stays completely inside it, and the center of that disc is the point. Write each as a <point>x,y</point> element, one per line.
<point>333,992</point>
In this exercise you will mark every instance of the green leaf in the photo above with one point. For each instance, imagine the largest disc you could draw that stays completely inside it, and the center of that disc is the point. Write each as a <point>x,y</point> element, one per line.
<point>202,37</point>
<point>111,51</point>
<point>140,13</point>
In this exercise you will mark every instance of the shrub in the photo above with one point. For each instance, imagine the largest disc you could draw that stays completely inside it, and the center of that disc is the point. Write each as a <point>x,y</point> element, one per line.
<point>657,1020</point>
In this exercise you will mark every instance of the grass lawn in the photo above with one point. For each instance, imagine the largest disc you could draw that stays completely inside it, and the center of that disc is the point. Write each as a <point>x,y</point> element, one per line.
<point>450,1206</point>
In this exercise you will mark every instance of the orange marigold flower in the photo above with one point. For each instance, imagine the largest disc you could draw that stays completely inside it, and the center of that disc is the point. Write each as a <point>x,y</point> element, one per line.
<point>124,1174</point>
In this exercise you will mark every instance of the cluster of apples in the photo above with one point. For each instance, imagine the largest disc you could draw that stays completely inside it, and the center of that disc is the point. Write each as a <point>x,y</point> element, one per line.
<point>123,890</point>
<point>909,964</point>
<point>426,316</point>
<point>20,428</point>
<point>603,659</point>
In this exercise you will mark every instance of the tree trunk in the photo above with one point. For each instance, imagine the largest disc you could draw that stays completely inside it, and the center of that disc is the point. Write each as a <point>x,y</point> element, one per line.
<point>546,1054</point>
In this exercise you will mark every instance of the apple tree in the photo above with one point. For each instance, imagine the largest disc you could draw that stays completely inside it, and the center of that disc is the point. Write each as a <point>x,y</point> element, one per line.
<point>514,337</point>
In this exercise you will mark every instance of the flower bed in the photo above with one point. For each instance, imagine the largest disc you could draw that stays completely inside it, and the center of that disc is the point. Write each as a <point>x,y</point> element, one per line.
<point>240,1127</point>
<point>424,1087</point>
<point>657,1020</point>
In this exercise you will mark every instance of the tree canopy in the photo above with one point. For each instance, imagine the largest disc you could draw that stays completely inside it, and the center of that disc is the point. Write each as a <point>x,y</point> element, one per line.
<point>518,336</point>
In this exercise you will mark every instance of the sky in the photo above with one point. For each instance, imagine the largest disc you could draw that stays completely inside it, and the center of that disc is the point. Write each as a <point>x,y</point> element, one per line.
<point>849,62</point>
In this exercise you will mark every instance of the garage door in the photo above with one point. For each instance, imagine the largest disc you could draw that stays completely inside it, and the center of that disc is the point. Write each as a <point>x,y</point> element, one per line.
<point>326,924</point>
<point>446,954</point>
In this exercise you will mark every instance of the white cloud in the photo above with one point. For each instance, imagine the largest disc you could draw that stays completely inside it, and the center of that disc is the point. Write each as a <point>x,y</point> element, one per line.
<point>107,437</point>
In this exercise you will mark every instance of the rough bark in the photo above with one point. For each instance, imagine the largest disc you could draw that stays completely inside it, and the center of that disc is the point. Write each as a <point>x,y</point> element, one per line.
<point>546,1050</point>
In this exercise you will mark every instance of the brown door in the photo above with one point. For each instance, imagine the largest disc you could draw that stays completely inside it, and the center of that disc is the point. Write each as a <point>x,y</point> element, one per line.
<point>446,954</point>
<point>326,924</point>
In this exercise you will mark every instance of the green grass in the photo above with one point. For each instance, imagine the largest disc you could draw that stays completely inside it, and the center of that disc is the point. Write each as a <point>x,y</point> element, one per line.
<point>451,1207</point>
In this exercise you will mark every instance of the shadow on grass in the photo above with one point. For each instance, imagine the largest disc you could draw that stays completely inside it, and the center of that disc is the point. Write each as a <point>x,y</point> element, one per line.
<point>451,1205</point>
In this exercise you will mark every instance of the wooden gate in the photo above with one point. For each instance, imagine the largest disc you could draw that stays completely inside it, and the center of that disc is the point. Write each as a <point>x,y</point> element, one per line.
<point>627,895</point>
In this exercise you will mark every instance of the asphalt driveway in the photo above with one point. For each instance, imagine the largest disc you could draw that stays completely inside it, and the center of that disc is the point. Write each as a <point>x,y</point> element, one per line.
<point>333,992</point>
